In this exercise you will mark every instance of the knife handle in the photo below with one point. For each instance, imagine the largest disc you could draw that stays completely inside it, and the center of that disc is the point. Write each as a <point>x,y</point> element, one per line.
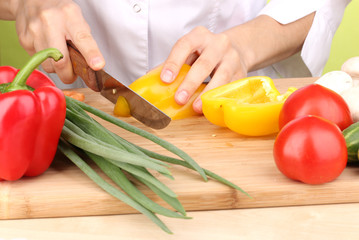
<point>81,68</point>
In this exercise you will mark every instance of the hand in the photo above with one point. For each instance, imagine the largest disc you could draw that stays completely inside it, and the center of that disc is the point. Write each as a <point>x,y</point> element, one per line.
<point>210,55</point>
<point>42,24</point>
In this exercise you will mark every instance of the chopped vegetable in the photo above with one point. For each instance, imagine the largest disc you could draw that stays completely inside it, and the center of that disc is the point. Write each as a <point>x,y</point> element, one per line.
<point>74,94</point>
<point>160,94</point>
<point>31,119</point>
<point>248,106</point>
<point>122,109</point>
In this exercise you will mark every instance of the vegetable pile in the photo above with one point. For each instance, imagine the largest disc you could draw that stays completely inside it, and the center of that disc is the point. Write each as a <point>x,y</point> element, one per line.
<point>84,139</point>
<point>310,146</point>
<point>346,84</point>
<point>118,158</point>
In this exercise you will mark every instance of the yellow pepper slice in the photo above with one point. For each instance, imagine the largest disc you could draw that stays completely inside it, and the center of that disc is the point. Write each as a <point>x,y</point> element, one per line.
<point>248,106</point>
<point>122,109</point>
<point>160,94</point>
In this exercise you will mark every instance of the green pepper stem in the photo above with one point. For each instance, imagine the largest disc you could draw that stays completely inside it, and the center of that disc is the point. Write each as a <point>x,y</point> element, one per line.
<point>19,81</point>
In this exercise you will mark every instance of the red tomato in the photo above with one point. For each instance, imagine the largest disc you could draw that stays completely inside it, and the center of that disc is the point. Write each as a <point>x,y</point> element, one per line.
<point>317,100</point>
<point>310,149</point>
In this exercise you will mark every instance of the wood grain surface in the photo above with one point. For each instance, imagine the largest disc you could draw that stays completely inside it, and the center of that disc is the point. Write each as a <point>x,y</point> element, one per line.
<point>64,190</point>
<point>315,222</point>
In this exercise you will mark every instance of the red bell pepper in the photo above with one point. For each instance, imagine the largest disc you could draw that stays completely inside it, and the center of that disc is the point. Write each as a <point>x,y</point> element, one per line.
<point>32,114</point>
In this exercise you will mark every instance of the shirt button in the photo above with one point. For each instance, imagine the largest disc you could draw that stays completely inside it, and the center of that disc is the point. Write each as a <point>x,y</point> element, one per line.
<point>136,8</point>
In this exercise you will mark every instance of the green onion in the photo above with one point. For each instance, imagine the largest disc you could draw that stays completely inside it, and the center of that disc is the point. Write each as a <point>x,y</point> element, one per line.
<point>65,149</point>
<point>142,133</point>
<point>179,162</point>
<point>113,154</point>
<point>121,180</point>
<point>120,160</point>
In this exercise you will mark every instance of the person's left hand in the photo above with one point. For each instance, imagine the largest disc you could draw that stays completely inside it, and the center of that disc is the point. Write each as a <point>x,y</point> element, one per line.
<point>209,54</point>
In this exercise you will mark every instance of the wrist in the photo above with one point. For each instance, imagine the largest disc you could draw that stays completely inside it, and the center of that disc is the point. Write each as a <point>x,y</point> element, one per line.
<point>247,55</point>
<point>244,50</point>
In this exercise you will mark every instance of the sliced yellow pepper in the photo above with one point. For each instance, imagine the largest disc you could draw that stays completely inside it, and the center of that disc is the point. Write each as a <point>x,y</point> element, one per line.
<point>160,94</point>
<point>248,106</point>
<point>122,109</point>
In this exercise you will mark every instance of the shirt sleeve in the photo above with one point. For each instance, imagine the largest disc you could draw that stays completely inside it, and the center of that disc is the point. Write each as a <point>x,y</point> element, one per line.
<point>316,48</point>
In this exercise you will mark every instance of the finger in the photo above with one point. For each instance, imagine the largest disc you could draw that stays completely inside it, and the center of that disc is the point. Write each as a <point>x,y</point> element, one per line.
<point>222,76</point>
<point>192,58</point>
<point>41,43</point>
<point>26,40</point>
<point>226,72</point>
<point>80,35</point>
<point>47,66</point>
<point>51,37</point>
<point>180,52</point>
<point>199,71</point>
<point>63,67</point>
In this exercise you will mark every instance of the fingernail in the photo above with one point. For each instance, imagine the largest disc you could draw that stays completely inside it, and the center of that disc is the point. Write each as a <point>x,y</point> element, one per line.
<point>97,62</point>
<point>167,76</point>
<point>182,97</point>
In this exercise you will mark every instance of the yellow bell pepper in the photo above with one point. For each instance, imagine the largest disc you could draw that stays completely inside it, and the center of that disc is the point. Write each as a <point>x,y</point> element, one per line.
<point>248,106</point>
<point>160,94</point>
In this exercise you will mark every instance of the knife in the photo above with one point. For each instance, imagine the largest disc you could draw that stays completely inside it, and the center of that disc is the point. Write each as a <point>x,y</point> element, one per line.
<point>111,89</point>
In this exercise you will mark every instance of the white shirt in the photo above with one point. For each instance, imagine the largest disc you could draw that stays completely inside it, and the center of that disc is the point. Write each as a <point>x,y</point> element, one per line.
<point>136,35</point>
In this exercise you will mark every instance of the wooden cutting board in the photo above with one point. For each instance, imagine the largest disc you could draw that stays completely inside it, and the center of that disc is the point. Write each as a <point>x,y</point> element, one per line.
<point>64,190</point>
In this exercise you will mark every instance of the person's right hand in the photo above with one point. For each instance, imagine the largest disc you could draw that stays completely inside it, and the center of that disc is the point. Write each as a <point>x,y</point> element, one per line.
<point>42,24</point>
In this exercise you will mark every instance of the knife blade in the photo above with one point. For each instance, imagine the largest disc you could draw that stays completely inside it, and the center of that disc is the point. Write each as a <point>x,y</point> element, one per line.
<point>111,89</point>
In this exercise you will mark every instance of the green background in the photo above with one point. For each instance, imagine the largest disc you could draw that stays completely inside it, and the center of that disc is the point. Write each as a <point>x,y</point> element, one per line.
<point>345,43</point>
<point>11,53</point>
<point>346,40</point>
